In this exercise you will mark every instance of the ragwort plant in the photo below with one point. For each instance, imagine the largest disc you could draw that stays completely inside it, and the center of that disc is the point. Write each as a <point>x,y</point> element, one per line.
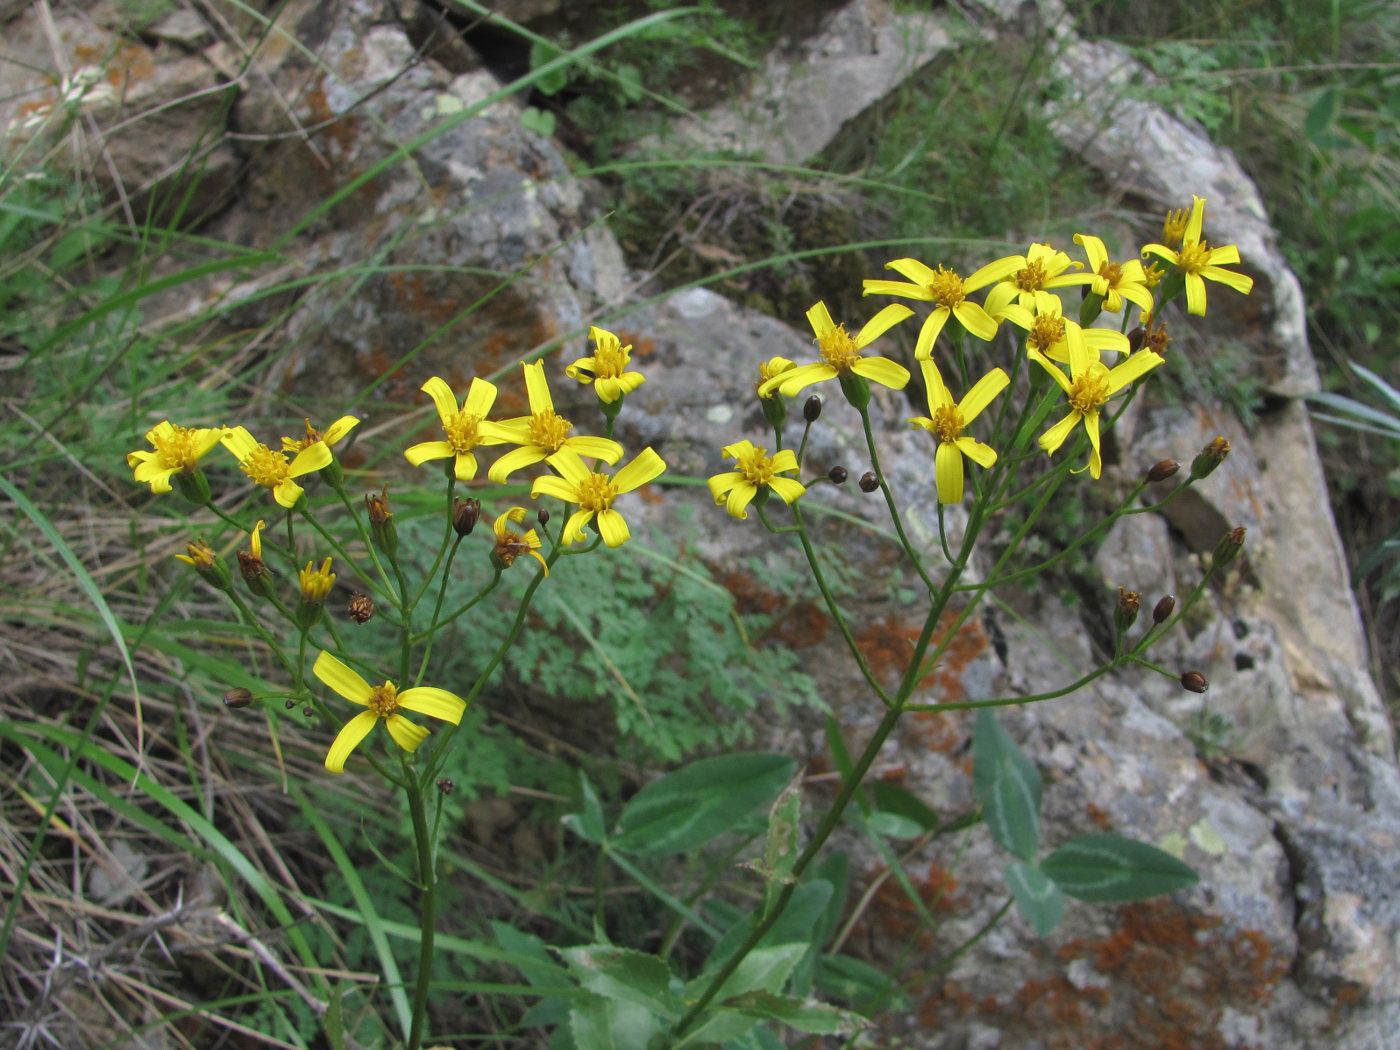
<point>395,719</point>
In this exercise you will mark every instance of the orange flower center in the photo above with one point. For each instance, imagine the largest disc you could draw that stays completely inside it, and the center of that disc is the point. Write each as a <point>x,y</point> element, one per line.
<point>1047,330</point>
<point>383,699</point>
<point>1032,278</point>
<point>510,546</point>
<point>610,360</point>
<point>756,466</point>
<point>266,467</point>
<point>461,431</point>
<point>1194,257</point>
<point>177,449</point>
<point>1111,272</point>
<point>596,492</point>
<point>549,430</point>
<point>839,349</point>
<point>948,423</point>
<point>947,288</point>
<point>1088,392</point>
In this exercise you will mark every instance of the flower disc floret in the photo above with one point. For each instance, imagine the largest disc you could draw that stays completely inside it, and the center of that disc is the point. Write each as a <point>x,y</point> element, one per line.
<point>755,470</point>
<point>511,544</point>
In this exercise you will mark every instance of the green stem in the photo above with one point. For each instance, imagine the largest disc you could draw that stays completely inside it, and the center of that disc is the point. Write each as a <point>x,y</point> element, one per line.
<point>427,915</point>
<point>889,501</point>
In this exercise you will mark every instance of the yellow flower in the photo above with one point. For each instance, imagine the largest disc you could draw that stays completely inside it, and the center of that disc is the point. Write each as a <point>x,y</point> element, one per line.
<point>946,420</point>
<point>841,354</point>
<point>316,583</point>
<point>1089,387</point>
<point>1174,228</point>
<point>544,432</point>
<point>466,428</point>
<point>1115,281</point>
<point>607,368</point>
<point>208,564</point>
<point>594,492</point>
<point>1051,333</point>
<point>331,435</point>
<point>1025,279</point>
<point>271,469</point>
<point>177,450</point>
<point>1198,262</point>
<point>383,702</point>
<point>948,290</point>
<point>756,469</point>
<point>511,544</point>
<point>774,366</point>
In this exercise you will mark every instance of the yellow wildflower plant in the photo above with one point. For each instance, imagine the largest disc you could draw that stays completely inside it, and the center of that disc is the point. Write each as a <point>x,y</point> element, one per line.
<point>770,369</point>
<point>272,469</point>
<point>466,427</point>
<point>1026,279</point>
<point>948,290</point>
<point>1051,333</point>
<point>332,435</point>
<point>756,469</point>
<point>594,492</point>
<point>1197,262</point>
<point>510,544</point>
<point>1115,281</point>
<point>607,368</point>
<point>176,450</point>
<point>841,354</point>
<point>316,583</point>
<point>544,432</point>
<point>1089,386</point>
<point>946,421</point>
<point>382,702</point>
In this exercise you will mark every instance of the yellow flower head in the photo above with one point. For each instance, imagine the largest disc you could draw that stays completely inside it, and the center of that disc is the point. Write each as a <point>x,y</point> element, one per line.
<point>774,366</point>
<point>1174,227</point>
<point>331,435</point>
<point>1089,386</point>
<point>510,544</point>
<point>272,469</point>
<point>382,702</point>
<point>1197,262</point>
<point>316,583</point>
<point>1026,278</point>
<point>465,427</point>
<point>607,368</point>
<point>946,420</point>
<point>1052,334</point>
<point>1115,281</point>
<point>199,554</point>
<point>756,469</point>
<point>841,354</point>
<point>594,492</point>
<point>948,290</point>
<point>544,432</point>
<point>176,450</point>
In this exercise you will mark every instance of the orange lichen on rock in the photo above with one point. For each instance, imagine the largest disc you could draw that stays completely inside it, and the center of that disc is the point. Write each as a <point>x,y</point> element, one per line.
<point>892,917</point>
<point>889,644</point>
<point>412,293</point>
<point>940,731</point>
<point>796,625</point>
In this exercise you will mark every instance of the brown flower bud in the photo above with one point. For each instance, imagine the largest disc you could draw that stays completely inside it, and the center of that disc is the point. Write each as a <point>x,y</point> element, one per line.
<point>869,482</point>
<point>361,607</point>
<point>446,786</point>
<point>381,521</point>
<point>1162,469</point>
<point>1136,338</point>
<point>1209,458</point>
<point>1156,339</point>
<point>1195,682</point>
<point>237,698</point>
<point>308,710</point>
<point>1129,602</point>
<point>465,513</point>
<point>1228,547</point>
<point>291,703</point>
<point>837,475</point>
<point>1165,606</point>
<point>812,410</point>
<point>543,517</point>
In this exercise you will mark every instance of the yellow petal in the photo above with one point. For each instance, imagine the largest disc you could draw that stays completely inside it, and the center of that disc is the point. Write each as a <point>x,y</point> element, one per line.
<point>976,320</point>
<point>646,466</point>
<point>481,395</point>
<point>1053,438</point>
<point>559,488</point>
<point>612,528</point>
<point>1093,248</point>
<point>590,447</point>
<point>287,493</point>
<point>438,703</point>
<point>739,499</point>
<point>1238,281</point>
<point>444,400</point>
<point>819,317</point>
<point>948,469</point>
<point>573,528</point>
<point>908,291</point>
<point>313,457</point>
<point>341,679</point>
<point>982,394</point>
<point>788,489</point>
<point>738,449</point>
<point>881,323</point>
<point>537,387</point>
<point>982,455</point>
<point>883,371</point>
<point>1091,427</point>
<point>349,737</point>
<point>928,334</point>
<point>421,453</point>
<point>340,428</point>
<point>464,467</point>
<point>406,734</point>
<point>513,461</point>
<point>238,441</point>
<point>918,272</point>
<point>1193,224</point>
<point>719,484</point>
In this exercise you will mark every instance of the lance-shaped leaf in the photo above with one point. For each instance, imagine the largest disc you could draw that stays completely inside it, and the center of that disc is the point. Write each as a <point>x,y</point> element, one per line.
<point>1112,868</point>
<point>1039,899</point>
<point>1007,786</point>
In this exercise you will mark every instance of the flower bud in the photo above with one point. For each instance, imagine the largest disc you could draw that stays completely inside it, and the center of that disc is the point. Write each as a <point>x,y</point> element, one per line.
<point>1129,602</point>
<point>291,703</point>
<point>238,698</point>
<point>209,565</point>
<point>1228,547</point>
<point>1165,606</point>
<point>812,410</point>
<point>1195,682</point>
<point>308,710</point>
<point>361,607</point>
<point>1136,338</point>
<point>446,786</point>
<point>1156,339</point>
<point>465,513</point>
<point>869,482</point>
<point>837,474</point>
<point>381,521</point>
<point>315,586</point>
<point>1209,458</point>
<point>1162,469</point>
<point>856,389</point>
<point>194,486</point>
<point>774,410</point>
<point>255,574</point>
<point>543,516</point>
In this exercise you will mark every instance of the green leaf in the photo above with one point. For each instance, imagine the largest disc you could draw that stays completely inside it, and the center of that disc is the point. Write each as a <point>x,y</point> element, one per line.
<point>540,121</point>
<point>542,52</point>
<point>842,759</point>
<point>686,809</point>
<point>1039,899</point>
<point>894,826</point>
<point>763,970</point>
<point>1321,116</point>
<point>531,957</point>
<point>719,1026</point>
<point>588,825</point>
<point>805,1015</point>
<point>857,982</point>
<point>625,975</point>
<point>1007,786</point>
<point>780,850</point>
<point>1112,868</point>
<point>799,921</point>
<point>607,1024</point>
<point>891,798</point>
